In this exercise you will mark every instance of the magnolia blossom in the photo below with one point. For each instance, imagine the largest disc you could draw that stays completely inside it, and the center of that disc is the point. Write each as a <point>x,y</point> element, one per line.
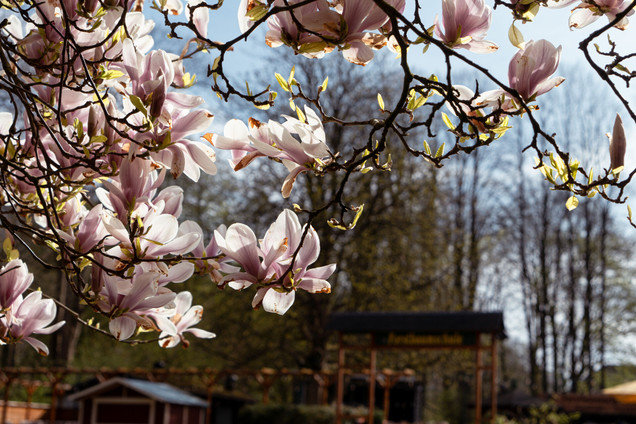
<point>361,17</point>
<point>465,25</point>
<point>316,17</point>
<point>135,185</point>
<point>531,68</point>
<point>266,263</point>
<point>28,316</point>
<point>588,12</point>
<point>128,301</point>
<point>83,229</point>
<point>316,28</point>
<point>6,119</point>
<point>466,105</point>
<point>214,268</point>
<point>14,280</point>
<point>200,16</point>
<point>153,236</point>
<point>529,73</point>
<point>179,321</point>
<point>276,141</point>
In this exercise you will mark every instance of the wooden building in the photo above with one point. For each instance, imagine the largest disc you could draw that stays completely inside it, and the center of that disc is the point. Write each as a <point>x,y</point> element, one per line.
<point>382,331</point>
<point>131,401</point>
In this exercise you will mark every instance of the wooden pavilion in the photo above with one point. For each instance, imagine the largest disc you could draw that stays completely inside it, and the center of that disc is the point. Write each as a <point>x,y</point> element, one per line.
<point>419,331</point>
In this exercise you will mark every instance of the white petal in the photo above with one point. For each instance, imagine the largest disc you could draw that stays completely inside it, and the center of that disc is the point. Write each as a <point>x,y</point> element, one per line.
<point>276,302</point>
<point>122,327</point>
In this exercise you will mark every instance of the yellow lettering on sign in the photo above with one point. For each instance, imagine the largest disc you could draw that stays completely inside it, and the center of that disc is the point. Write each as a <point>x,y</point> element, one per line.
<point>412,339</point>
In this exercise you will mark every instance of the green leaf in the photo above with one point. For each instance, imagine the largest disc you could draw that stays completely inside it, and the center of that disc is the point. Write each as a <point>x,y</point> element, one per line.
<point>447,121</point>
<point>358,211</point>
<point>622,68</point>
<point>427,148</point>
<point>136,101</point>
<point>440,151</point>
<point>420,101</point>
<point>515,36</point>
<point>312,47</point>
<point>411,103</point>
<point>99,139</point>
<point>572,203</point>
<point>334,223</point>
<point>301,115</point>
<point>323,87</point>
<point>257,11</point>
<point>281,81</point>
<point>188,80</point>
<point>531,12</point>
<point>380,102</point>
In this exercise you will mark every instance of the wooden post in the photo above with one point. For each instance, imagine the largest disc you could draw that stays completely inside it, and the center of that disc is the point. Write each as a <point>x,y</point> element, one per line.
<point>390,379</point>
<point>54,393</point>
<point>266,377</point>
<point>30,389</point>
<point>7,388</point>
<point>478,381</point>
<point>493,378</point>
<point>209,385</point>
<point>340,388</point>
<point>372,380</point>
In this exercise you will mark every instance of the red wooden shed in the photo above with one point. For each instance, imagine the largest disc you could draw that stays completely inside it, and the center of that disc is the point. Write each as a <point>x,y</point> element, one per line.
<point>131,401</point>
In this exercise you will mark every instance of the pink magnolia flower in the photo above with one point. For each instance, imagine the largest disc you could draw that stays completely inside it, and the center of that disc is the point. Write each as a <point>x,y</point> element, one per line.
<point>136,184</point>
<point>179,321</point>
<point>361,17</point>
<point>128,301</point>
<point>529,73</point>
<point>587,12</point>
<point>530,69</point>
<point>266,262</point>
<point>277,142</point>
<point>212,267</point>
<point>84,230</point>
<point>288,231</point>
<point>155,235</point>
<point>15,278</point>
<point>183,156</point>
<point>465,25</point>
<point>316,17</point>
<point>29,316</point>
<point>200,16</point>
<point>245,11</point>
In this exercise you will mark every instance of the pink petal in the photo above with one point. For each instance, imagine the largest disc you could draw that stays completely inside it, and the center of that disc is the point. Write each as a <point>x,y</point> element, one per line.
<point>315,285</point>
<point>122,327</point>
<point>358,53</point>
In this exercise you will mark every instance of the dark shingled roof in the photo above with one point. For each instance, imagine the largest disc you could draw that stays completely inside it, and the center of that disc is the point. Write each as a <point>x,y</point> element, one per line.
<point>422,322</point>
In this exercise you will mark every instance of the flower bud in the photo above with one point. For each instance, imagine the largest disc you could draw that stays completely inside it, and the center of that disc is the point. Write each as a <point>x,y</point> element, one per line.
<point>618,144</point>
<point>93,120</point>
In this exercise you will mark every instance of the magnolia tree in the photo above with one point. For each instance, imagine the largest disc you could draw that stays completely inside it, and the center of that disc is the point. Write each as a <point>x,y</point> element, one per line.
<point>96,118</point>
